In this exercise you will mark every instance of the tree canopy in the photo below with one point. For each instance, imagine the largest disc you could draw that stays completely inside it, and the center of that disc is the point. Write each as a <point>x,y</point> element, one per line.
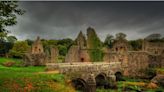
<point>8,12</point>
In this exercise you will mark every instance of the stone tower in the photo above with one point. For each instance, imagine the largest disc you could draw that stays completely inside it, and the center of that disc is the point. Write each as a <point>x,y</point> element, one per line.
<point>80,40</point>
<point>54,54</point>
<point>36,56</point>
<point>37,46</point>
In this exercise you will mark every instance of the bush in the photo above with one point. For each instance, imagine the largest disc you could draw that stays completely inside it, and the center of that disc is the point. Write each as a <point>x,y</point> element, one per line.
<point>96,55</point>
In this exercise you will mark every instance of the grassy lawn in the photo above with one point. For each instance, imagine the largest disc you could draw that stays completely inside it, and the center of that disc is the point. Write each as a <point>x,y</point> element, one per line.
<point>28,79</point>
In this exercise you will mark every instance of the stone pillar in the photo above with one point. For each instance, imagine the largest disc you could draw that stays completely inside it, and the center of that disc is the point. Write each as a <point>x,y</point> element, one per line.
<point>112,81</point>
<point>54,54</point>
<point>91,84</point>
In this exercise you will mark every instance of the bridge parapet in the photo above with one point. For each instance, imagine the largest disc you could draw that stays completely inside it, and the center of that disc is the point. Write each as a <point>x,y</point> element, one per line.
<point>73,70</point>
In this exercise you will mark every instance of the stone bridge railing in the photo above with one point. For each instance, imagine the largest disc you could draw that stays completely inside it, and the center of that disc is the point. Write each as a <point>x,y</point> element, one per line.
<point>73,70</point>
<point>87,71</point>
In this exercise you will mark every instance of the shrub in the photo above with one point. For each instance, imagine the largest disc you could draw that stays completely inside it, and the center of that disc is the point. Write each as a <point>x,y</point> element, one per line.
<point>19,49</point>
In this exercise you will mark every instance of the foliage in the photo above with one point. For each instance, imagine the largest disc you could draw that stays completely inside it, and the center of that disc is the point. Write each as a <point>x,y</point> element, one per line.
<point>62,44</point>
<point>109,40</point>
<point>5,47</point>
<point>96,55</point>
<point>11,39</point>
<point>150,72</point>
<point>94,45</point>
<point>120,36</point>
<point>29,42</point>
<point>93,41</point>
<point>62,50</point>
<point>8,12</point>
<point>19,49</point>
<point>136,44</point>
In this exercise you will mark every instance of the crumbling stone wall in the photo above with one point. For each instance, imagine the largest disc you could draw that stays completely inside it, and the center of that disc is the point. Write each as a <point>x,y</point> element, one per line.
<point>73,54</point>
<point>54,54</point>
<point>154,48</point>
<point>84,56</point>
<point>138,62</point>
<point>35,59</point>
<point>36,56</point>
<point>37,47</point>
<point>81,40</point>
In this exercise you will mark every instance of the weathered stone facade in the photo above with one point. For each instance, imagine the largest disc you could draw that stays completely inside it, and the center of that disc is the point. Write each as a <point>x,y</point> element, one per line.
<point>78,52</point>
<point>135,62</point>
<point>37,56</point>
<point>87,73</point>
<point>37,47</point>
<point>54,54</point>
<point>154,48</point>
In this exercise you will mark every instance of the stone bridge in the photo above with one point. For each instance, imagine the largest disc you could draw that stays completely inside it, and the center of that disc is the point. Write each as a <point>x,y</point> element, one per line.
<point>87,76</point>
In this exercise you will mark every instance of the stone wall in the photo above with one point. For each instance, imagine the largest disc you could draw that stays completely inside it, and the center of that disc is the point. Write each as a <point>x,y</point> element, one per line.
<point>138,62</point>
<point>37,47</point>
<point>73,54</point>
<point>153,47</point>
<point>54,54</point>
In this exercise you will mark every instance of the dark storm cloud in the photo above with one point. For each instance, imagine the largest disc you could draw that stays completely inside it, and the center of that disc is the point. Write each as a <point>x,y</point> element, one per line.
<point>57,20</point>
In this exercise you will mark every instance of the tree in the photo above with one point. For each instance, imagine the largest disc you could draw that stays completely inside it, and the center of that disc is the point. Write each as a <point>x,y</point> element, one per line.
<point>109,40</point>
<point>136,44</point>
<point>120,36</point>
<point>8,12</point>
<point>11,39</point>
<point>19,48</point>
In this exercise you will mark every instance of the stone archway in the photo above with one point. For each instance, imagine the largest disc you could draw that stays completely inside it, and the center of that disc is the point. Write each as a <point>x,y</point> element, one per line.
<point>79,84</point>
<point>101,80</point>
<point>119,76</point>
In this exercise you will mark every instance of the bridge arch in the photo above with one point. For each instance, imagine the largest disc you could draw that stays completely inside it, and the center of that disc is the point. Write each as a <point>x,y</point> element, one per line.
<point>101,80</point>
<point>119,76</point>
<point>79,84</point>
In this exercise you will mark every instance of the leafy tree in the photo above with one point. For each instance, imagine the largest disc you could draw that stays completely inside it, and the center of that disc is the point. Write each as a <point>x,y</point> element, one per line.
<point>64,45</point>
<point>5,47</point>
<point>29,42</point>
<point>11,39</point>
<point>62,50</point>
<point>109,40</point>
<point>136,44</point>
<point>8,12</point>
<point>120,36</point>
<point>19,48</point>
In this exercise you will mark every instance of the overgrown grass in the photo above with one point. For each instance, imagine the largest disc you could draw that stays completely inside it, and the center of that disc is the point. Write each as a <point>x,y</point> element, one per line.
<point>132,85</point>
<point>29,79</point>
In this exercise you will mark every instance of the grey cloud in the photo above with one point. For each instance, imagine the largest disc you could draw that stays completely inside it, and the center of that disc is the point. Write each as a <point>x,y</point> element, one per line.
<point>57,20</point>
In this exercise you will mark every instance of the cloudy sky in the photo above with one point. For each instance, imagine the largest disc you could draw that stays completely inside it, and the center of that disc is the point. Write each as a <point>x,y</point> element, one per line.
<point>57,20</point>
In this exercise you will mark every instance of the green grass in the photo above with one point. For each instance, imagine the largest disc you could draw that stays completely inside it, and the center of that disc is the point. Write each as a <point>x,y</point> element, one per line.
<point>18,79</point>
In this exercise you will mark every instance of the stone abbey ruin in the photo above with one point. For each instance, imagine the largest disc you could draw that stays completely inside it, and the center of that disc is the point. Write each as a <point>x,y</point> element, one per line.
<point>78,63</point>
<point>37,56</point>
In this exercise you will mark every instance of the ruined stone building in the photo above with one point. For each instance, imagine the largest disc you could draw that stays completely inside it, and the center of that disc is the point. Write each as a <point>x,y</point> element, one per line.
<point>37,56</point>
<point>78,52</point>
<point>155,48</point>
<point>136,62</point>
<point>133,62</point>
